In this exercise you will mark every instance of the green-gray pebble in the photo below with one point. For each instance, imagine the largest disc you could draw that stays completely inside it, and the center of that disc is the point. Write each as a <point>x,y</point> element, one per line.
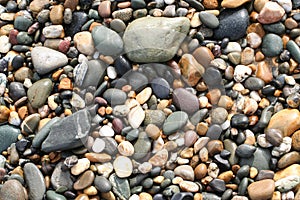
<point>8,135</point>
<point>51,195</point>
<point>24,38</point>
<point>35,181</point>
<point>277,28</point>
<point>142,146</point>
<point>209,19</point>
<point>294,50</point>
<point>39,92</point>
<point>272,45</point>
<point>120,187</point>
<point>23,22</point>
<point>174,122</point>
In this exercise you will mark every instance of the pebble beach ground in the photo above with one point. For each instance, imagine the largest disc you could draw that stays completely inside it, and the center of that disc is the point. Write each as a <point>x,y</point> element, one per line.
<point>149,99</point>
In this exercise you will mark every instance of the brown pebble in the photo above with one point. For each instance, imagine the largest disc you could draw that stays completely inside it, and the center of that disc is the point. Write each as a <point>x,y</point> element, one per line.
<point>214,147</point>
<point>82,197</point>
<point>210,4</point>
<point>57,14</point>
<point>4,113</point>
<point>261,190</point>
<point>296,141</point>
<point>71,4</point>
<point>98,157</point>
<point>288,159</point>
<point>200,171</point>
<point>65,84</point>
<point>145,196</point>
<point>152,131</point>
<point>263,72</point>
<point>226,176</point>
<point>204,56</point>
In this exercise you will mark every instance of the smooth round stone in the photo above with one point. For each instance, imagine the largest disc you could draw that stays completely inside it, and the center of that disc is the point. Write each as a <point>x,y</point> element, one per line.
<point>217,185</point>
<point>136,116</point>
<point>85,180</point>
<point>272,45</point>
<point>137,4</point>
<point>160,87</point>
<point>261,189</point>
<point>233,24</point>
<point>35,181</point>
<point>209,19</point>
<point>137,80</point>
<point>185,100</point>
<point>174,122</point>
<point>38,93</point>
<point>254,83</point>
<point>156,117</point>
<point>107,41</point>
<point>245,150</point>
<point>242,188</point>
<point>106,131</point>
<point>16,91</point>
<point>82,165</point>
<point>102,184</point>
<point>114,96</point>
<point>142,146</point>
<point>219,115</point>
<point>264,174</point>
<point>214,132</point>
<point>51,195</point>
<point>185,171</point>
<point>8,135</point>
<point>98,145</point>
<point>24,38</point>
<point>243,171</point>
<point>23,22</point>
<point>239,121</point>
<point>12,190</point>
<point>123,166</point>
<point>277,28</point>
<point>296,141</point>
<point>17,61</point>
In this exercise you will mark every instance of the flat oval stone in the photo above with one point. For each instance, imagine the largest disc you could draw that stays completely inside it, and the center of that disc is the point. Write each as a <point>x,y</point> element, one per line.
<point>261,189</point>
<point>51,195</point>
<point>16,91</point>
<point>272,45</point>
<point>45,59</point>
<point>123,166</point>
<point>254,83</point>
<point>136,116</point>
<point>142,146</point>
<point>156,117</point>
<point>85,180</point>
<point>185,171</point>
<point>107,41</point>
<point>114,96</point>
<point>209,19</point>
<point>286,120</point>
<point>185,100</point>
<point>294,50</point>
<point>152,45</point>
<point>288,159</point>
<point>35,181</point>
<point>233,24</point>
<point>61,178</point>
<point>102,184</point>
<point>245,150</point>
<point>38,93</point>
<point>174,122</point>
<point>12,190</point>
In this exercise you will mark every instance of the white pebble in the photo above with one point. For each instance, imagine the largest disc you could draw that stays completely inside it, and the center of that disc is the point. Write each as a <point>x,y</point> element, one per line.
<point>241,72</point>
<point>290,80</point>
<point>106,131</point>
<point>134,197</point>
<point>4,44</point>
<point>98,145</point>
<point>111,72</point>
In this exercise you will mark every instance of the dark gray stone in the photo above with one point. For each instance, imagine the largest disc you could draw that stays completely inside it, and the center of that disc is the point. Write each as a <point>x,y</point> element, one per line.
<point>69,133</point>
<point>114,96</point>
<point>35,181</point>
<point>174,122</point>
<point>102,184</point>
<point>61,178</point>
<point>8,135</point>
<point>272,45</point>
<point>245,150</point>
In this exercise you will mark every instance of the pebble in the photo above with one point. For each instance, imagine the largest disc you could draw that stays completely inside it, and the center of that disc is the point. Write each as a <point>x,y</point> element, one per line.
<point>84,42</point>
<point>245,150</point>
<point>185,171</point>
<point>270,13</point>
<point>188,104</point>
<point>233,3</point>
<point>160,158</point>
<point>84,181</point>
<point>82,165</point>
<point>51,195</point>
<point>203,56</point>
<point>136,116</point>
<point>293,49</point>
<point>12,190</point>
<point>120,186</point>
<point>290,123</point>
<point>106,131</point>
<point>142,146</point>
<point>4,44</point>
<point>114,96</point>
<point>208,19</point>
<point>61,178</point>
<point>288,159</point>
<point>232,20</point>
<point>217,185</point>
<point>272,45</point>
<point>104,9</point>
<point>296,141</point>
<point>102,184</point>
<point>35,181</point>
<point>254,83</point>
<point>107,41</point>
<point>8,135</point>
<point>160,87</point>
<point>146,51</point>
<point>287,183</point>
<point>174,122</point>
<point>188,186</point>
<point>45,59</point>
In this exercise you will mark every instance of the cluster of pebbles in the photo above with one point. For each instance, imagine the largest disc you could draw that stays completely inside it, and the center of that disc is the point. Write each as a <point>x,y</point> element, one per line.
<point>149,99</point>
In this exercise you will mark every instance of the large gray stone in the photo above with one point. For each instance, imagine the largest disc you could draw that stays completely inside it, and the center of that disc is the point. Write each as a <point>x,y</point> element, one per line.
<point>45,59</point>
<point>154,39</point>
<point>61,178</point>
<point>69,133</point>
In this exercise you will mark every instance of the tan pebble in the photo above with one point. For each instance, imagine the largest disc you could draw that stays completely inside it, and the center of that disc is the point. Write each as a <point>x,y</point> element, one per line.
<point>203,56</point>
<point>145,196</point>
<point>226,176</point>
<point>256,28</point>
<point>82,197</point>
<point>160,158</point>
<point>253,172</point>
<point>290,23</point>
<point>277,196</point>
<point>177,180</point>
<point>4,113</point>
<point>259,4</point>
<point>203,154</point>
<point>108,195</point>
<point>247,56</point>
<point>259,56</point>
<point>90,191</point>
<point>57,14</point>
<point>65,84</point>
<point>162,104</point>
<point>264,102</point>
<point>47,181</point>
<point>296,141</point>
<point>289,171</point>
<point>37,5</point>
<point>125,148</point>
<point>198,196</point>
<point>225,102</point>
<point>214,147</point>
<point>233,3</point>
<point>152,131</point>
<point>84,42</point>
<point>200,171</point>
<point>214,96</point>
<point>187,153</point>
<point>158,179</point>
<point>189,186</point>
<point>234,187</point>
<point>123,5</point>
<point>144,95</point>
<point>98,157</point>
<point>191,70</point>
